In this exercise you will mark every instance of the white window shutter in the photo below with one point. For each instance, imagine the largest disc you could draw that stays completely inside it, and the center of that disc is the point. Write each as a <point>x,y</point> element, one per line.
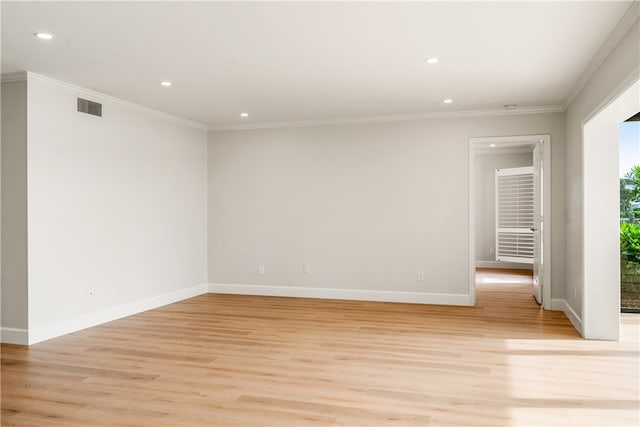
<point>514,215</point>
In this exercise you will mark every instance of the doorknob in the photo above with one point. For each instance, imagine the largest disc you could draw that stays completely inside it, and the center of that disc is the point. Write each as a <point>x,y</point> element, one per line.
<point>533,229</point>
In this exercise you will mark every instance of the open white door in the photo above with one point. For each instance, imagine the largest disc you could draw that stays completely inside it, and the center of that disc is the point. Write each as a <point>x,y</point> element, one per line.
<point>538,220</point>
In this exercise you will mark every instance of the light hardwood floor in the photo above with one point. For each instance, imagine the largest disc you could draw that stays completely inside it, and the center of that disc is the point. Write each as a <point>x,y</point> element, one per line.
<point>223,360</point>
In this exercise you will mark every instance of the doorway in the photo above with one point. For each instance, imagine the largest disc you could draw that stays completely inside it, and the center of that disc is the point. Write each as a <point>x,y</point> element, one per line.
<point>601,216</point>
<point>515,152</point>
<point>629,144</point>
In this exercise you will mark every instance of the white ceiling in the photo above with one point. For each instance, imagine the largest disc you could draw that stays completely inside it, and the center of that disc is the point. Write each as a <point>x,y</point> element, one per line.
<point>289,62</point>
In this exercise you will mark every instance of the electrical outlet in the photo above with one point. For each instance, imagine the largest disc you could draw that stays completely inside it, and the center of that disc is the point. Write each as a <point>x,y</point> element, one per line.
<point>420,275</point>
<point>261,270</point>
<point>307,268</point>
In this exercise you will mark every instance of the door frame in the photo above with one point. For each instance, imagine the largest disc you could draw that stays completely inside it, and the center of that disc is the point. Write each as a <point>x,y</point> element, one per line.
<point>503,141</point>
<point>600,267</point>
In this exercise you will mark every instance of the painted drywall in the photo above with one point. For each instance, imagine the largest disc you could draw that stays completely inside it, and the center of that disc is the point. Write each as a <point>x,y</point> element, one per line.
<point>619,66</point>
<point>117,209</point>
<point>366,206</point>
<point>14,210</point>
<point>485,195</point>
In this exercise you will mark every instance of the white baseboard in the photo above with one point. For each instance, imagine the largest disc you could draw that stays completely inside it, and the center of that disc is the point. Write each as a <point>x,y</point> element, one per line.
<point>347,294</point>
<point>14,336</point>
<point>503,264</point>
<point>82,322</point>
<point>562,305</point>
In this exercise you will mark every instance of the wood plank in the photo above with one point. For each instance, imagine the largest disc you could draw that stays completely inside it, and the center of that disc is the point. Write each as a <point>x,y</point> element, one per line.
<point>234,360</point>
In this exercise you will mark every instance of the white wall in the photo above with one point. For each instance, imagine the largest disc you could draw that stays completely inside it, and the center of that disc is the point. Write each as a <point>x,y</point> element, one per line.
<point>620,65</point>
<point>485,195</point>
<point>368,206</point>
<point>14,211</point>
<point>117,209</point>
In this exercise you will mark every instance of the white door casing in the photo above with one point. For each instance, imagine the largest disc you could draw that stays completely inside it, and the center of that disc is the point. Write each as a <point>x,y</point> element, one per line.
<point>481,144</point>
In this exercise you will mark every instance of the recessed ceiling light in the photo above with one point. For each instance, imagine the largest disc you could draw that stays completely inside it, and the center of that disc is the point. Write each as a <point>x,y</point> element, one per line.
<point>244,114</point>
<point>492,145</point>
<point>43,36</point>
<point>510,106</point>
<point>165,83</point>
<point>432,60</point>
<point>447,101</point>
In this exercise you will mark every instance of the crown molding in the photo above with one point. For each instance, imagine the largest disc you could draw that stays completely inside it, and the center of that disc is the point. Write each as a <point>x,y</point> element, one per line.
<point>394,118</point>
<point>117,101</point>
<point>625,24</point>
<point>24,75</point>
<point>18,76</point>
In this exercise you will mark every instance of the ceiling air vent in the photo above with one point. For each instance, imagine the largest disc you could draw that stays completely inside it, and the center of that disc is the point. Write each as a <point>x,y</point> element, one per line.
<point>89,107</point>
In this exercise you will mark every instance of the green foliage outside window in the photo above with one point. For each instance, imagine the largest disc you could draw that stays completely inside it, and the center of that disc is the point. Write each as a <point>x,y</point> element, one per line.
<point>630,195</point>
<point>630,215</point>
<point>630,242</point>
